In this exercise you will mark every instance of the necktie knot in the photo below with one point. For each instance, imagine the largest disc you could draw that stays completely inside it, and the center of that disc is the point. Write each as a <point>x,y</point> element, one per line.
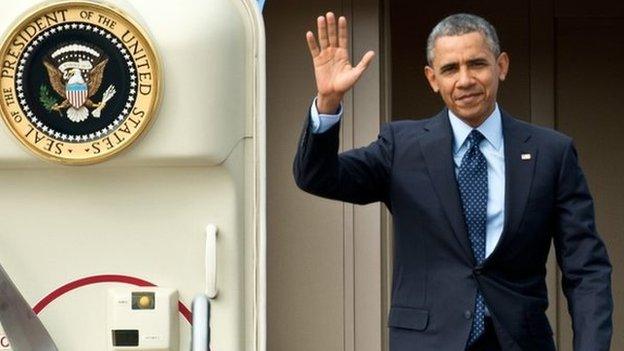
<point>475,137</point>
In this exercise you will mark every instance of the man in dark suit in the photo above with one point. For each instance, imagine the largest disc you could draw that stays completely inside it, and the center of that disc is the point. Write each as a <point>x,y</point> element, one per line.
<point>476,196</point>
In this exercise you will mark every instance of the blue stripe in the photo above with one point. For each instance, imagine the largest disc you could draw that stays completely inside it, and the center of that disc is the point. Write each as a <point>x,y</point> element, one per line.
<point>76,87</point>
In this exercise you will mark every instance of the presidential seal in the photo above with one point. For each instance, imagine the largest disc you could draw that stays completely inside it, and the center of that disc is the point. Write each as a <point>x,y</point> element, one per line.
<point>80,81</point>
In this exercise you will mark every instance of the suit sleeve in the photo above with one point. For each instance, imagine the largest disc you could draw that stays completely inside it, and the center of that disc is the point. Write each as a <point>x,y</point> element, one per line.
<point>359,176</point>
<point>583,259</point>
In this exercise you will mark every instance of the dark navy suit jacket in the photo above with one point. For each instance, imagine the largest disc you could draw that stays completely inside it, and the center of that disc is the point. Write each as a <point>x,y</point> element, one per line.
<point>435,279</point>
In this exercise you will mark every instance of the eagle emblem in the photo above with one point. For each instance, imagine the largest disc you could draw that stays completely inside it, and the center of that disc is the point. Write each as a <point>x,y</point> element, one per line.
<point>75,72</point>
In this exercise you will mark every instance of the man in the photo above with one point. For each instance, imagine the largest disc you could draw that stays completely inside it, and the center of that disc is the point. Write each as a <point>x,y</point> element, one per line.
<point>476,197</point>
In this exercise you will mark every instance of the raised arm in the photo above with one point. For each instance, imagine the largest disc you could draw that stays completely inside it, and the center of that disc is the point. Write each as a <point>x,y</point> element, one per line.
<point>358,175</point>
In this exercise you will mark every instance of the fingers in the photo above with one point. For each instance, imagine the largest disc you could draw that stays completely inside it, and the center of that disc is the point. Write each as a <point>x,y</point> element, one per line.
<point>366,60</point>
<point>321,24</point>
<point>342,32</point>
<point>331,29</point>
<point>328,34</point>
<point>314,49</point>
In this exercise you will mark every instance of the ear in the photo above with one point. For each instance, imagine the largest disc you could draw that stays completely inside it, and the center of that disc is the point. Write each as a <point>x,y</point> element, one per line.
<point>431,77</point>
<point>503,65</point>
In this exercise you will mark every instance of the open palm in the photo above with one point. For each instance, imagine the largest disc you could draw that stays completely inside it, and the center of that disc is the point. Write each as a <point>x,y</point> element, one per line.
<point>332,69</point>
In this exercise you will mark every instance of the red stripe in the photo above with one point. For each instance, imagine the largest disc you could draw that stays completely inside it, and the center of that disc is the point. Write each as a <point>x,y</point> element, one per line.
<point>77,98</point>
<point>105,278</point>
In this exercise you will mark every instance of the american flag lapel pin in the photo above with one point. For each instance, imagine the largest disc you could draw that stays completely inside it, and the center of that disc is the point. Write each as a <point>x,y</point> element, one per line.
<point>525,157</point>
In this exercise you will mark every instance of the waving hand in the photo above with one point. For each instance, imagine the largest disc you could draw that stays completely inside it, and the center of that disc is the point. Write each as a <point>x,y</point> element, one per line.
<point>332,69</point>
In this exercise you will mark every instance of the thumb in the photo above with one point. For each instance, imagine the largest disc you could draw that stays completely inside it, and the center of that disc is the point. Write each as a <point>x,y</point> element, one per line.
<point>366,60</point>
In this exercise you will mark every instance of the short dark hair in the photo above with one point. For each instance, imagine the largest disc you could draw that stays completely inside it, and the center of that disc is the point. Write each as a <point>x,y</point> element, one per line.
<point>459,24</point>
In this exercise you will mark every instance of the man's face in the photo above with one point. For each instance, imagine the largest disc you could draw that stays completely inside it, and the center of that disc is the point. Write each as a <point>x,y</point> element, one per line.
<point>466,74</point>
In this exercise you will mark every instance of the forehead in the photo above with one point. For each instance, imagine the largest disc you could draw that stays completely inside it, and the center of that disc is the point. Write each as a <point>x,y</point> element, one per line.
<point>459,48</point>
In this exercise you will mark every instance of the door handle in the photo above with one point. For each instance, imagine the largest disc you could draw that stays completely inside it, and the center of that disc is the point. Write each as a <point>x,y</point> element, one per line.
<point>211,261</point>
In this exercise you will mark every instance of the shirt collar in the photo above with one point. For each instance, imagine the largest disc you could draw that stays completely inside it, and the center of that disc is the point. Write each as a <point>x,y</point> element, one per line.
<point>491,128</point>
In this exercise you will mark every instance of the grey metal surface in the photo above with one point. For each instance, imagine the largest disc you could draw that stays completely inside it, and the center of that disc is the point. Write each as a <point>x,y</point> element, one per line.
<point>200,339</point>
<point>21,325</point>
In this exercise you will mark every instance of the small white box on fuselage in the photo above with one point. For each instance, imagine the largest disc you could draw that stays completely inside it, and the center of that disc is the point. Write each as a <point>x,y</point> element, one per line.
<point>142,318</point>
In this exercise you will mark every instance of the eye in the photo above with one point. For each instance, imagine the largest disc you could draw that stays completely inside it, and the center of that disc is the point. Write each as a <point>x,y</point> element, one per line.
<point>478,64</point>
<point>448,69</point>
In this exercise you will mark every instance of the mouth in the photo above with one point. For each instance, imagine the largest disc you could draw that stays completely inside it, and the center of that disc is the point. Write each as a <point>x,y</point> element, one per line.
<point>468,98</point>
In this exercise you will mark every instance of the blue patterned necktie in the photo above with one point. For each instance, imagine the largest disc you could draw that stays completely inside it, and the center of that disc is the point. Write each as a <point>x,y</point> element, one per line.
<point>473,189</point>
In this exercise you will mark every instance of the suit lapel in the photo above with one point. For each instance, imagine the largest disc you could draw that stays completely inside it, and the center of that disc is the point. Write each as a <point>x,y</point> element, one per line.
<point>437,145</point>
<point>520,158</point>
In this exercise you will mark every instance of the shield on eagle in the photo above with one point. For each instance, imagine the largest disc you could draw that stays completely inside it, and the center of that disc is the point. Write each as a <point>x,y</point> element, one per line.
<point>77,94</point>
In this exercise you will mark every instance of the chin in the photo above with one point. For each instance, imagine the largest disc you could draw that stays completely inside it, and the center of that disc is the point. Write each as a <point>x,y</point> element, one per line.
<point>470,114</point>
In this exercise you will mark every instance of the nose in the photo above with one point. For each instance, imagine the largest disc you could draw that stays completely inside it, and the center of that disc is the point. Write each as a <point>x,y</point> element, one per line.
<point>465,79</point>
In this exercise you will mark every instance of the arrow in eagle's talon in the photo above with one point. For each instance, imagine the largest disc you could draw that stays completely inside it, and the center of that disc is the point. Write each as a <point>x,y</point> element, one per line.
<point>108,94</point>
<point>98,111</point>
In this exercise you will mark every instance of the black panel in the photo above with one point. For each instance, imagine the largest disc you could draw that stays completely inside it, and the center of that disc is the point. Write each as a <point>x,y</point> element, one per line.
<point>125,338</point>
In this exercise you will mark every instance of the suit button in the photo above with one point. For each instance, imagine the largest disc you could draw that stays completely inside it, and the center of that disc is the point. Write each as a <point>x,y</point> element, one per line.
<point>478,271</point>
<point>467,314</point>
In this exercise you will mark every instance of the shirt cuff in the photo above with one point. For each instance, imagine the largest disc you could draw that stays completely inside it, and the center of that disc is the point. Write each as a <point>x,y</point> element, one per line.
<point>320,123</point>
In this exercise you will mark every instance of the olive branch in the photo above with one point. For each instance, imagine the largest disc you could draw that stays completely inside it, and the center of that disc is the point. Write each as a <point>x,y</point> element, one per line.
<point>45,98</point>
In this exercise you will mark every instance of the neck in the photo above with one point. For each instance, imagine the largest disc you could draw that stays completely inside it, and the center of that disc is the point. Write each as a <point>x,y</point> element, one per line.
<point>477,121</point>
